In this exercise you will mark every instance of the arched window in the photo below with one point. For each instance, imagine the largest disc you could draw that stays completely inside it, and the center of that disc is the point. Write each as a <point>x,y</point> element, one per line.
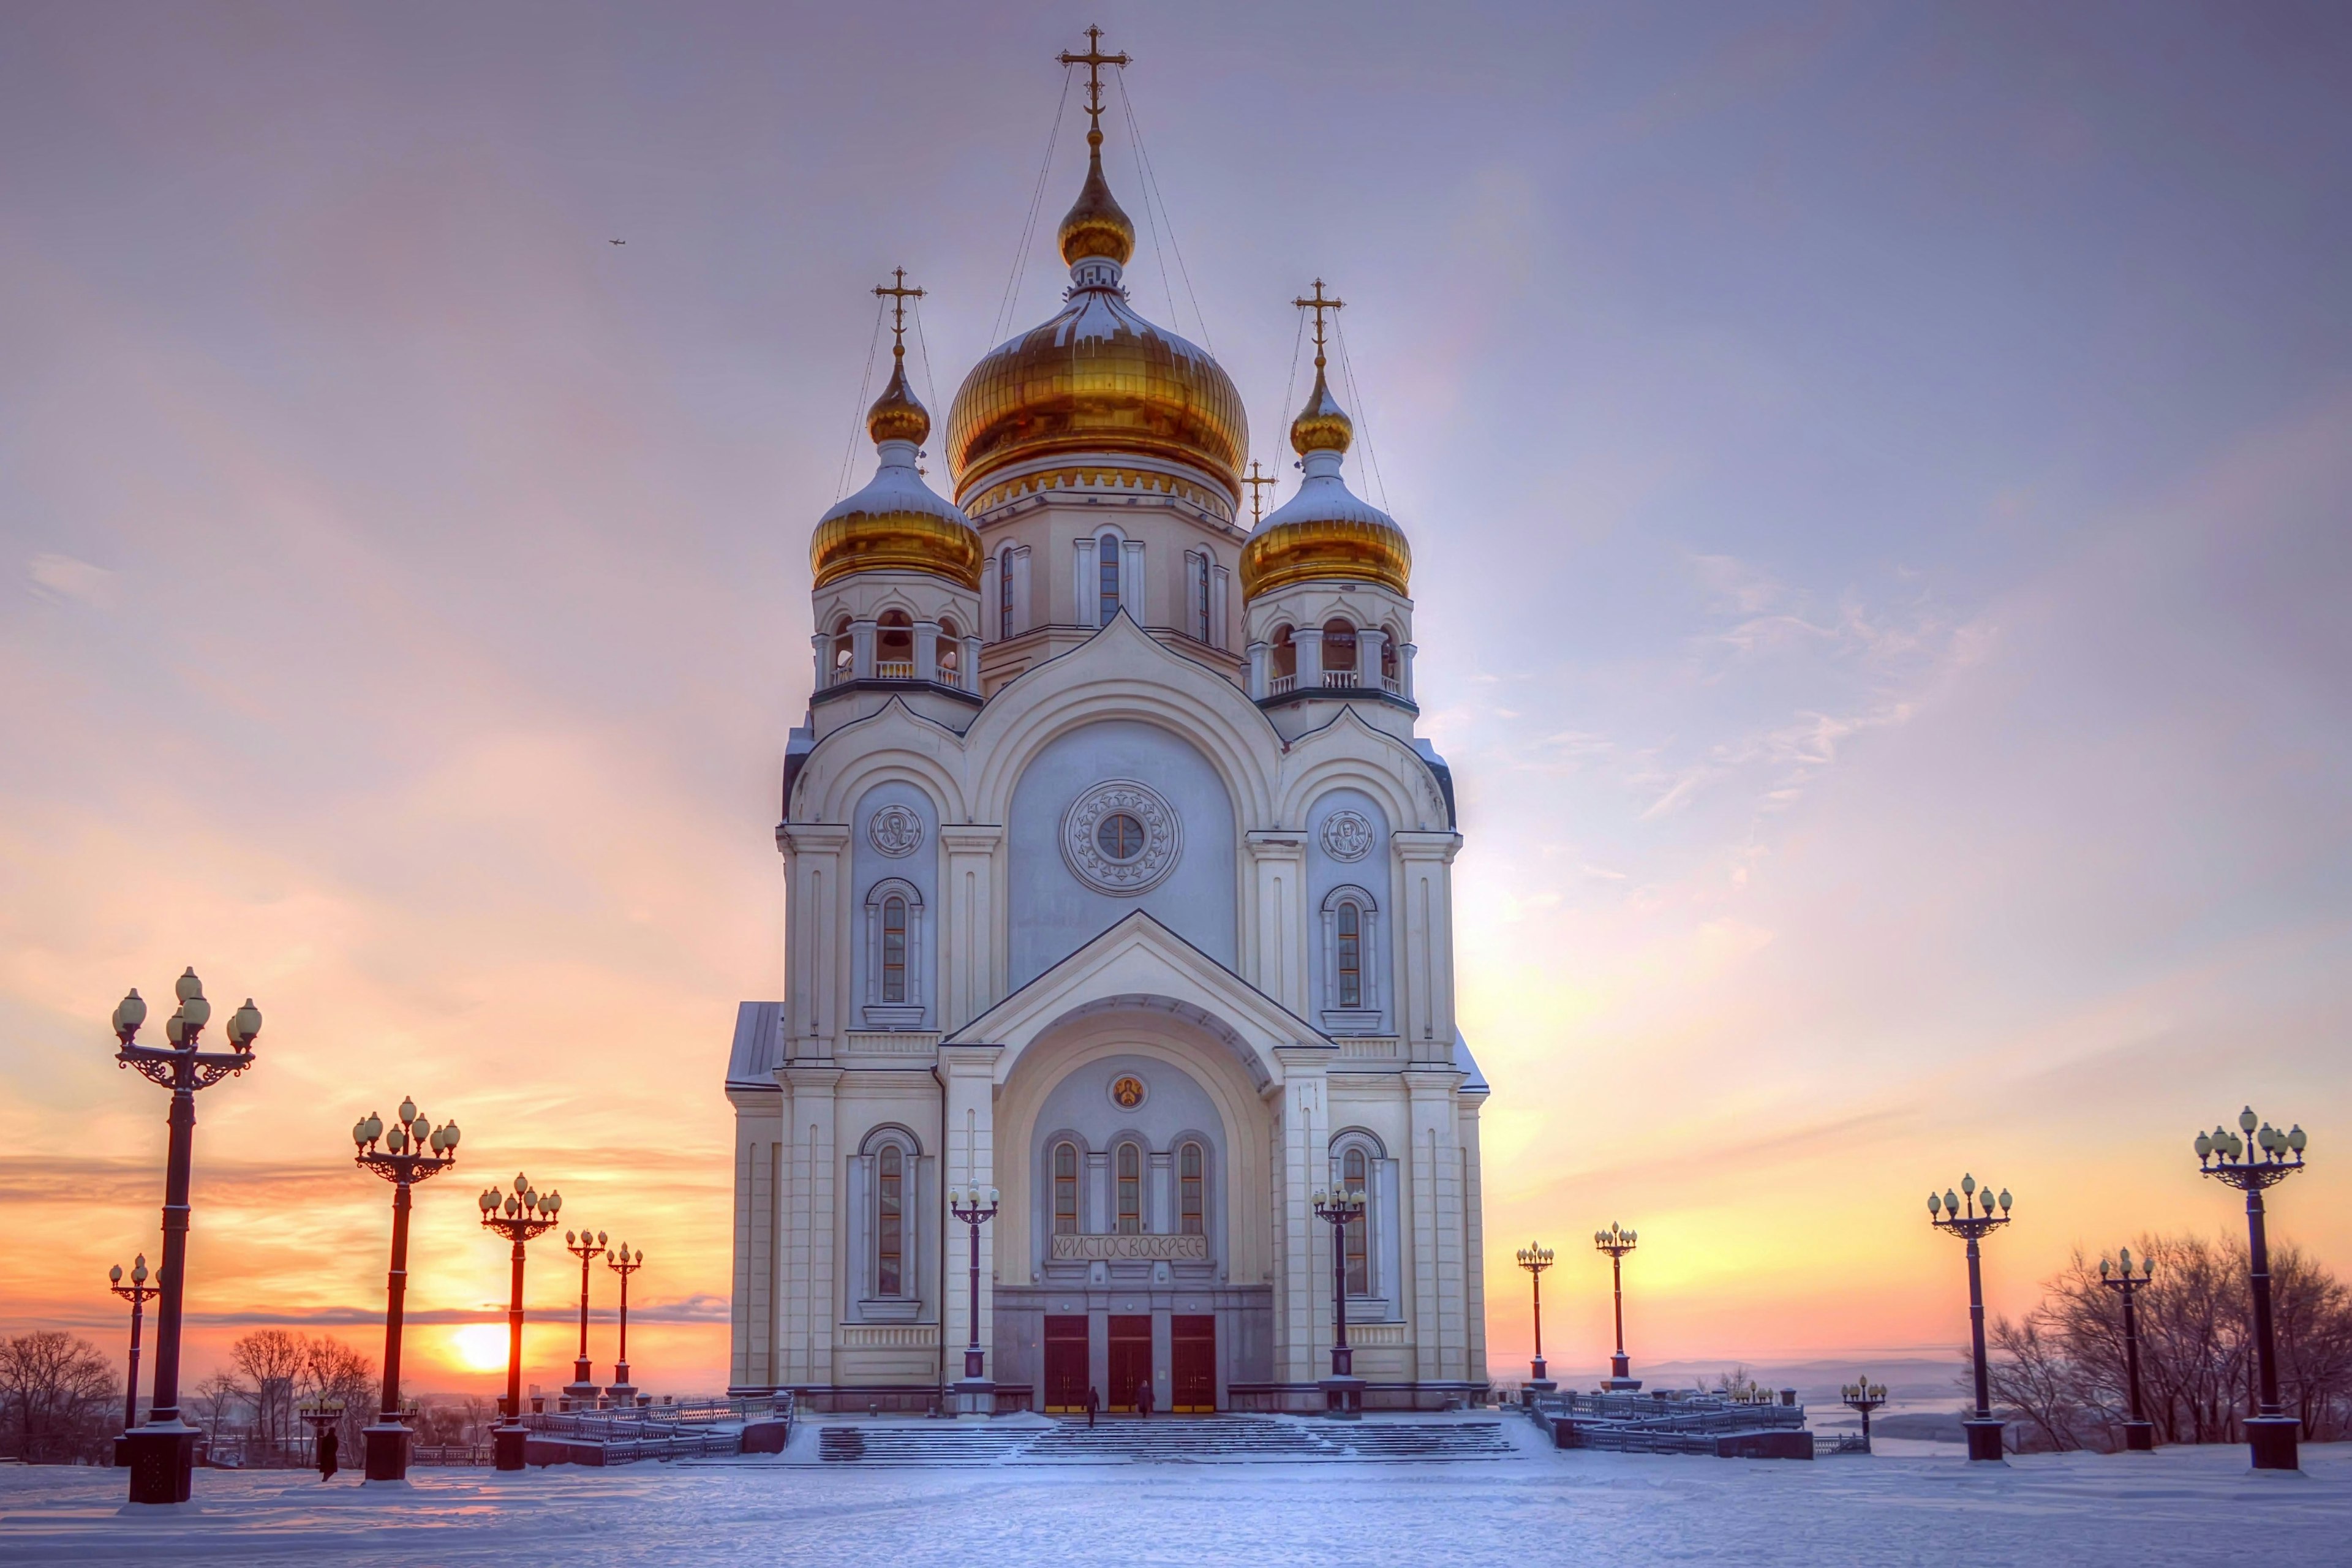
<point>949,656</point>
<point>1130,1189</point>
<point>1066,1189</point>
<point>1338,651</point>
<point>1355,1174</point>
<point>893,949</point>
<point>894,647</point>
<point>1350,966</point>
<point>1004,594</point>
<point>1282,655</point>
<point>1388,660</point>
<point>890,1222</point>
<point>844,650</point>
<point>1188,1189</point>
<point>1107,578</point>
<point>1197,568</point>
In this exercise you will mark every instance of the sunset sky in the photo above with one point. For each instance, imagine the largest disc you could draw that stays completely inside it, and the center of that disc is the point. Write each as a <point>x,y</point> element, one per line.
<point>1878,481</point>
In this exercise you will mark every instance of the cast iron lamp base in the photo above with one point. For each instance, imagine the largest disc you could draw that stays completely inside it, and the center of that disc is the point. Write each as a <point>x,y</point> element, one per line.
<point>1984,1441</point>
<point>2272,1439</point>
<point>507,1445</point>
<point>387,1451</point>
<point>160,1459</point>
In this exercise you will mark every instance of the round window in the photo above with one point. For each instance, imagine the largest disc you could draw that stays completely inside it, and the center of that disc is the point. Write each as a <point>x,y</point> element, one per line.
<point>1119,837</point>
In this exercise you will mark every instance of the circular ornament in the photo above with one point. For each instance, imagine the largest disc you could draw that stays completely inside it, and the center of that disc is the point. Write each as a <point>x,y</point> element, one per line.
<point>896,831</point>
<point>1127,1091</point>
<point>1346,835</point>
<point>1121,837</point>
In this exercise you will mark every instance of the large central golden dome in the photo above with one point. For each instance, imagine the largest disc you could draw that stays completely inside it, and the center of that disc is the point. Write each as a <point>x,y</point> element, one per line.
<point>1098,378</point>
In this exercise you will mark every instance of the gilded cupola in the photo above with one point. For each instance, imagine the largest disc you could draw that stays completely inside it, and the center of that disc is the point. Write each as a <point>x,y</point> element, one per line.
<point>1097,379</point>
<point>897,523</point>
<point>1325,532</point>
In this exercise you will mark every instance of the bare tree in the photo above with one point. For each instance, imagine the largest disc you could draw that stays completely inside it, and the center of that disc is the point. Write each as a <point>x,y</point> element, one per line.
<point>333,1373</point>
<point>59,1403</point>
<point>217,1402</point>
<point>271,1360</point>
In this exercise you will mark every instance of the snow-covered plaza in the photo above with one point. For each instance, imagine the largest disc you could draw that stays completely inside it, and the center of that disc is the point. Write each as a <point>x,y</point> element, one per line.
<point>2180,1505</point>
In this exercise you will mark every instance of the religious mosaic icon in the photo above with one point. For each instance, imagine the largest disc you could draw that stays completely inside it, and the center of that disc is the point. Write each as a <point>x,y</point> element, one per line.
<point>1127,1091</point>
<point>1121,837</point>
<point>896,831</point>
<point>1346,835</point>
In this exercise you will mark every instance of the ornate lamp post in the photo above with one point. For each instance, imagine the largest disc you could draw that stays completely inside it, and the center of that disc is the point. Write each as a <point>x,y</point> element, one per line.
<point>2222,1153</point>
<point>587,1246</point>
<point>414,1150</point>
<point>1343,1390</point>
<point>524,1214</point>
<point>621,1261</point>
<point>2139,1432</point>
<point>1863,1397</point>
<point>1617,1241</point>
<point>1535,1258</point>
<point>1971,1219</point>
<point>138,1293</point>
<point>163,1452</point>
<point>975,1393</point>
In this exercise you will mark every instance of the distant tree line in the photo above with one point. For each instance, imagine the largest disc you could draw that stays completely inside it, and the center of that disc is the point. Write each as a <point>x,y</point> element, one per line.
<point>60,1402</point>
<point>2058,1373</point>
<point>255,1402</point>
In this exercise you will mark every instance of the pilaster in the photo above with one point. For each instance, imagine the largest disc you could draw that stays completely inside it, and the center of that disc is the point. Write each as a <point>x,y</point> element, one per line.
<point>969,1160</point>
<point>1467,1105</point>
<point>1274,947</point>
<point>1425,937</point>
<point>1302,1294</point>
<point>1440,1331</point>
<point>808,1269</point>
<point>968,936</point>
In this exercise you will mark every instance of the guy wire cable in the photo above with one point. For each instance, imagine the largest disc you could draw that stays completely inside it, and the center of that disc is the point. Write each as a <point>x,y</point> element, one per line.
<point>1151,177</point>
<point>858,409</point>
<point>1363,414</point>
<point>1143,184</point>
<point>1003,322</point>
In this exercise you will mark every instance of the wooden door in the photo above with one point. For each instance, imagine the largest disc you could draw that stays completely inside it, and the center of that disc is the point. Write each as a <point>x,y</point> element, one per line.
<point>1192,1364</point>
<point>1131,1361</point>
<point>1065,1363</point>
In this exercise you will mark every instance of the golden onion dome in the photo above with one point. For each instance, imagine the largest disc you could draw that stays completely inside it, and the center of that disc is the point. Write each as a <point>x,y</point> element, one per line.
<point>1097,378</point>
<point>1325,532</point>
<point>897,523</point>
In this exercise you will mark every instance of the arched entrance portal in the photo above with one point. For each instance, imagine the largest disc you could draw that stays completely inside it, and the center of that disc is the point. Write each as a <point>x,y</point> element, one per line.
<point>1138,1221</point>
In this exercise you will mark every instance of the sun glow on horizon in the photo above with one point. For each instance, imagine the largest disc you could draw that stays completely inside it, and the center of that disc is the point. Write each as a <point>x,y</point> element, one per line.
<point>478,1347</point>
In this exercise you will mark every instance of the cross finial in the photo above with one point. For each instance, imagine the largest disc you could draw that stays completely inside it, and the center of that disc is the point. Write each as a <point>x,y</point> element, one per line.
<point>1257,481</point>
<point>1318,304</point>
<point>899,294</point>
<point>1094,59</point>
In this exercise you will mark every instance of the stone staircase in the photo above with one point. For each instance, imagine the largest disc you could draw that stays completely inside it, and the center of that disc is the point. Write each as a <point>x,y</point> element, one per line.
<point>1178,1439</point>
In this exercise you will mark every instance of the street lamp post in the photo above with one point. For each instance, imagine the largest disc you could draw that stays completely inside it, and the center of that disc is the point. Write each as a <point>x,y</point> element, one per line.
<point>1343,1390</point>
<point>975,1393</point>
<point>523,1215</point>
<point>1617,1241</point>
<point>587,1246</point>
<point>1535,1258</point>
<point>2223,1154</point>
<point>2139,1432</point>
<point>163,1453</point>
<point>138,1293</point>
<point>1970,1217</point>
<point>414,1150</point>
<point>1863,1397</point>
<point>623,1262</point>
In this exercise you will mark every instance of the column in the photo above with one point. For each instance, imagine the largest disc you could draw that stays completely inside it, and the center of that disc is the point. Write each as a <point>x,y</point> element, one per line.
<point>1273,938</point>
<point>1425,929</point>
<point>816,959</point>
<point>757,1129</point>
<point>1405,669</point>
<point>927,650</point>
<point>1309,643</point>
<point>970,1159</point>
<point>861,650</point>
<point>969,963</point>
<point>1467,1104</point>
<point>970,667</point>
<point>1439,1333</point>
<point>808,1269</point>
<point>1368,657</point>
<point>991,620</point>
<point>1257,669</point>
<point>1130,580</point>
<point>1220,595</point>
<point>1022,617</point>
<point>1302,1304</point>
<point>1085,594</point>
<point>821,646</point>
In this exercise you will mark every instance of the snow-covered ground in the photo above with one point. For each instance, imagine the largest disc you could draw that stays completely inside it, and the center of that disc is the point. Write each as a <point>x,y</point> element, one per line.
<point>2182,1505</point>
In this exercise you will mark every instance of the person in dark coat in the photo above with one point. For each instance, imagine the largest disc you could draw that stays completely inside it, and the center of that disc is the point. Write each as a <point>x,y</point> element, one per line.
<point>1094,1403</point>
<point>1143,1397</point>
<point>327,1446</point>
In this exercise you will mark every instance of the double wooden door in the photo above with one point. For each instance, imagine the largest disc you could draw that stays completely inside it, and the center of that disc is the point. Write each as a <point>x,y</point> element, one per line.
<point>1131,1359</point>
<point>1192,1364</point>
<point>1065,1363</point>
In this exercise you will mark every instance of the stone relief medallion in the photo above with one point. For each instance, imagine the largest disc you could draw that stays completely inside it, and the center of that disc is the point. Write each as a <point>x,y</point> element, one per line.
<point>1127,1091</point>
<point>1121,837</point>
<point>896,831</point>
<point>1346,835</point>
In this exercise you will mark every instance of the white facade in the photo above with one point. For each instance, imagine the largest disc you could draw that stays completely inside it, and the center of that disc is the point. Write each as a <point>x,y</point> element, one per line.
<point>1091,916</point>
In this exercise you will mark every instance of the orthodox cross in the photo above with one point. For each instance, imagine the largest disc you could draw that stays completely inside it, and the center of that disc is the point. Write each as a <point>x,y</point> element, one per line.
<point>1094,59</point>
<point>1257,481</point>
<point>897,293</point>
<point>1318,304</point>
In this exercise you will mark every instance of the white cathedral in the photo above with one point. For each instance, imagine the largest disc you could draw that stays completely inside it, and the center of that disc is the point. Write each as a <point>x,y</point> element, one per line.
<point>1117,898</point>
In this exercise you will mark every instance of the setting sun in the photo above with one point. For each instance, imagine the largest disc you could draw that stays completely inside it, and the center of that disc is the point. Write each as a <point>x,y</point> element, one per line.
<point>480,1347</point>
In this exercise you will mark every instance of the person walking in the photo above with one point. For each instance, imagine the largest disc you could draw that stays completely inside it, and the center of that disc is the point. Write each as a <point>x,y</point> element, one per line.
<point>1094,1403</point>
<point>1143,1398</point>
<point>327,1446</point>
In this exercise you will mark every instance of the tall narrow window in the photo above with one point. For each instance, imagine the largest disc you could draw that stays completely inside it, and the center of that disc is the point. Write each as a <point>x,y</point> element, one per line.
<point>1188,1181</point>
<point>1004,595</point>
<point>1106,577</point>
<point>890,1231</point>
<point>1130,1189</point>
<point>893,949</point>
<point>1352,956</point>
<point>1352,1171</point>
<point>1200,600</point>
<point>1066,1189</point>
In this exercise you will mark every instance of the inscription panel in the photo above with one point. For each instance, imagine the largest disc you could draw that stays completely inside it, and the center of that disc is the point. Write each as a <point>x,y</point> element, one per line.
<point>1131,1249</point>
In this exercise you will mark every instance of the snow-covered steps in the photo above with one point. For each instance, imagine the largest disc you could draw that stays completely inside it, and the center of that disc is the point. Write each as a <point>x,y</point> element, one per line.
<point>1204,1439</point>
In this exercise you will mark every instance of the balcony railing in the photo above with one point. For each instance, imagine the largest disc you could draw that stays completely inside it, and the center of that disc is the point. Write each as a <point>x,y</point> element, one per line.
<point>1333,680</point>
<point>893,669</point>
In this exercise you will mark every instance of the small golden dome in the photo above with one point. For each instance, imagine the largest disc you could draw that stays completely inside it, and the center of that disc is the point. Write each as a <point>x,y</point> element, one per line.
<point>897,415</point>
<point>1322,424</point>
<point>1369,549</point>
<point>1097,225</point>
